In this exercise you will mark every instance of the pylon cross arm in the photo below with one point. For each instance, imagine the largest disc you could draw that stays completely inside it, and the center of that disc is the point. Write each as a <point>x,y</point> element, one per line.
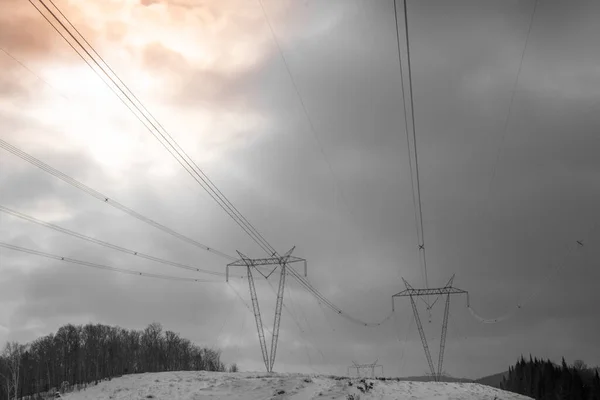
<point>428,292</point>
<point>275,261</point>
<point>365,365</point>
<point>447,290</point>
<point>266,261</point>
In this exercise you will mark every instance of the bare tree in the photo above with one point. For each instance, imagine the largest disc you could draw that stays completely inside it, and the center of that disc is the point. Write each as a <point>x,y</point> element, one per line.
<point>5,376</point>
<point>85,354</point>
<point>13,352</point>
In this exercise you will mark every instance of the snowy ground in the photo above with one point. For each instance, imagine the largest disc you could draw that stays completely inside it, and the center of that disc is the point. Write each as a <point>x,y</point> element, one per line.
<point>226,386</point>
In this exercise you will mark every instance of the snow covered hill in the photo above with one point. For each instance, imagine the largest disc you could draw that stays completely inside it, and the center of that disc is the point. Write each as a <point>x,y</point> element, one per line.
<point>226,386</point>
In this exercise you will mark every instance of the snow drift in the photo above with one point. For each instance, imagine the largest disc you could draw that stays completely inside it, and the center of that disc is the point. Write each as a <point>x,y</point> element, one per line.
<point>224,386</point>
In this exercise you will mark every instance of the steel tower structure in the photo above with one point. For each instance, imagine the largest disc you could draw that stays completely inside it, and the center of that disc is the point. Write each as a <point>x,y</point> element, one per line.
<point>447,291</point>
<point>252,264</point>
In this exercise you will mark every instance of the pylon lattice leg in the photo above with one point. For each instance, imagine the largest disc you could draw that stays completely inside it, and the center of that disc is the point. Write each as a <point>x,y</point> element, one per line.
<point>443,338</point>
<point>277,320</point>
<point>423,338</point>
<point>257,317</point>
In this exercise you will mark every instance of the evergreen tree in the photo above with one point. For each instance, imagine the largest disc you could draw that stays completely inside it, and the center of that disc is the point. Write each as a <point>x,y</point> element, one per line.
<point>596,387</point>
<point>544,380</point>
<point>576,391</point>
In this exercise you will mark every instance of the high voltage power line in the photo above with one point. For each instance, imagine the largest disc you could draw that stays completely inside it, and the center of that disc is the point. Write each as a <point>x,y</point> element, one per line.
<point>100,266</point>
<point>510,107</point>
<point>105,244</point>
<point>313,129</point>
<point>174,146</point>
<point>25,67</point>
<point>311,124</point>
<point>553,270</point>
<point>105,199</point>
<point>320,297</point>
<point>296,318</point>
<point>143,115</point>
<point>78,43</point>
<point>414,171</point>
<point>156,129</point>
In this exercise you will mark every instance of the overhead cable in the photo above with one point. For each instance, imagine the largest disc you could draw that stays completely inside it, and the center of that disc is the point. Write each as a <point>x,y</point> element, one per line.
<point>406,129</point>
<point>534,293</point>
<point>510,105</point>
<point>319,296</point>
<point>152,125</point>
<point>105,244</point>
<point>411,138</point>
<point>100,266</point>
<point>105,199</point>
<point>171,145</point>
<point>304,107</point>
<point>414,133</point>
<point>25,67</point>
<point>239,296</point>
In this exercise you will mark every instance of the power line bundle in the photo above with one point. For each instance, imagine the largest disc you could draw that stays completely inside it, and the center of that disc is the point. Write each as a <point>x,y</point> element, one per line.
<point>63,26</point>
<point>105,244</point>
<point>90,56</point>
<point>104,198</point>
<point>99,266</point>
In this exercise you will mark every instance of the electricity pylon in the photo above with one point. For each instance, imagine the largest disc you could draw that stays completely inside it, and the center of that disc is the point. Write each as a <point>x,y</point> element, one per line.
<point>254,263</point>
<point>412,293</point>
<point>372,367</point>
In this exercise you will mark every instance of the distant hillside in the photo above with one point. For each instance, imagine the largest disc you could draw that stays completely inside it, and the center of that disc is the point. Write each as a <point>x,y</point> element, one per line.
<point>493,380</point>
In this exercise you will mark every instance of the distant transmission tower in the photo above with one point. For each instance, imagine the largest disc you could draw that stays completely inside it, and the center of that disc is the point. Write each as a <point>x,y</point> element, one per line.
<point>370,367</point>
<point>254,263</point>
<point>412,293</point>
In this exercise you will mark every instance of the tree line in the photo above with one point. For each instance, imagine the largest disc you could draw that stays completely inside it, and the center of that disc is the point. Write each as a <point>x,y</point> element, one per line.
<point>544,380</point>
<point>94,352</point>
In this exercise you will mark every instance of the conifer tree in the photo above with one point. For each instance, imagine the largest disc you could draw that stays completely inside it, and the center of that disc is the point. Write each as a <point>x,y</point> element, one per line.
<point>544,380</point>
<point>596,387</point>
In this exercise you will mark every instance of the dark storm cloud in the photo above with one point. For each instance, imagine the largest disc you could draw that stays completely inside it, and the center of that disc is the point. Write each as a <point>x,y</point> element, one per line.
<point>528,212</point>
<point>501,243</point>
<point>56,293</point>
<point>48,290</point>
<point>53,295</point>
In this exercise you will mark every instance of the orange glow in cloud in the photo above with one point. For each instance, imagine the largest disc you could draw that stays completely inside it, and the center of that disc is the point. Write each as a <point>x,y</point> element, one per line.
<point>225,35</point>
<point>156,47</point>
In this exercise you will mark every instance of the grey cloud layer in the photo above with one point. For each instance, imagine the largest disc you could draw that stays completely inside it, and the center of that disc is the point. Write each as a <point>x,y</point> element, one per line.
<point>465,59</point>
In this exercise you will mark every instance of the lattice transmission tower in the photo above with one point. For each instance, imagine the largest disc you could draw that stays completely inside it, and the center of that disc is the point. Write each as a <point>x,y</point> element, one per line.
<point>447,290</point>
<point>253,264</point>
<point>372,367</point>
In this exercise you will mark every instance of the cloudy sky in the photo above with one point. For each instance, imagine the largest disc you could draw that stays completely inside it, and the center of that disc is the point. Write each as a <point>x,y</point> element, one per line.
<point>502,209</point>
